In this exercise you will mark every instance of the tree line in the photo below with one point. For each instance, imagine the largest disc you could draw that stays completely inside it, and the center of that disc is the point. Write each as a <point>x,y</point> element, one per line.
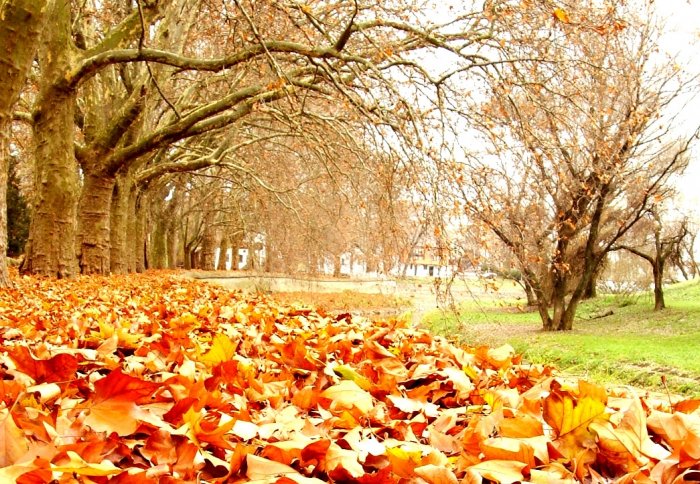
<point>147,127</point>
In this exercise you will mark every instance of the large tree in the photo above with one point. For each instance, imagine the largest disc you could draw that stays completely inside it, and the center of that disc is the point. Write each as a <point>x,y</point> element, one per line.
<point>121,82</point>
<point>579,136</point>
<point>20,25</point>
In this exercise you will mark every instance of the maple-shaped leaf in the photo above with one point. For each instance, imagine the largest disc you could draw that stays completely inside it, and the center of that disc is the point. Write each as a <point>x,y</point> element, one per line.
<point>346,395</point>
<point>114,415</point>
<point>222,350</point>
<point>119,386</point>
<point>409,405</point>
<point>13,443</point>
<point>629,444</point>
<point>564,413</point>
<point>160,448</point>
<point>505,448</point>
<point>113,407</point>
<point>59,368</point>
<point>679,431</point>
<point>687,406</point>
<point>404,460</point>
<point>331,457</point>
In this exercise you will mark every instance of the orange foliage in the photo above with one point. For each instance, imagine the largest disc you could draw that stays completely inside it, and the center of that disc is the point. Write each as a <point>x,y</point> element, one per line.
<point>152,378</point>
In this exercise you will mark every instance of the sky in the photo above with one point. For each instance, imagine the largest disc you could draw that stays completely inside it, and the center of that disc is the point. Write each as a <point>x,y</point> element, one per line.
<point>683,36</point>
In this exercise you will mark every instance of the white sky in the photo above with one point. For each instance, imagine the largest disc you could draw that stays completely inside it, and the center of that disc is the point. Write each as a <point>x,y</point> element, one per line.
<point>683,36</point>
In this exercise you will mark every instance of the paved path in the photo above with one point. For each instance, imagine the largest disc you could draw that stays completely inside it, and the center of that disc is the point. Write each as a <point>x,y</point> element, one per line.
<point>423,296</point>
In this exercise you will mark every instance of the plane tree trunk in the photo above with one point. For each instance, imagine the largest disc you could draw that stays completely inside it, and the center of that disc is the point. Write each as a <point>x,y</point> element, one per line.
<point>52,232</point>
<point>19,32</point>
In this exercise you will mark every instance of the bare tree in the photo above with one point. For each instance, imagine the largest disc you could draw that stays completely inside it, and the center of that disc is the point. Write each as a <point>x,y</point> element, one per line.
<point>578,139</point>
<point>135,78</point>
<point>656,240</point>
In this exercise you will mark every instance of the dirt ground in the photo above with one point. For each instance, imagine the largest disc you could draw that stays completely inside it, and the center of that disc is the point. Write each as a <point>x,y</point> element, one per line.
<point>423,295</point>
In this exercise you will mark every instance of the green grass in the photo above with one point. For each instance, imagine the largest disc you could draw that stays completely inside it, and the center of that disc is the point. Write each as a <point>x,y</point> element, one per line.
<point>633,346</point>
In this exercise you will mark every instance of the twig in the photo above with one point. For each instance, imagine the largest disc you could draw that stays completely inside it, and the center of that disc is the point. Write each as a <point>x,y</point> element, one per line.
<point>148,65</point>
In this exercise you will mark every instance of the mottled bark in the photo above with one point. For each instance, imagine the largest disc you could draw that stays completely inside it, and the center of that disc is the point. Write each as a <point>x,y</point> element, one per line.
<point>118,259</point>
<point>136,238</point>
<point>140,240</point>
<point>19,31</point>
<point>5,121</point>
<point>53,227</point>
<point>94,224</point>
<point>223,254</point>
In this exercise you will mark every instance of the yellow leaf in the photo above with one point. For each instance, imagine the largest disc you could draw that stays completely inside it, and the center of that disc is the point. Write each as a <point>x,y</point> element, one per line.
<point>565,414</point>
<point>403,462</point>
<point>561,15</point>
<point>76,465</point>
<point>222,349</point>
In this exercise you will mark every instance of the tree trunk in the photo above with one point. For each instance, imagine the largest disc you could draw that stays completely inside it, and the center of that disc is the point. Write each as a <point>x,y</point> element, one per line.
<point>158,245</point>
<point>658,272</point>
<point>560,319</point>
<point>4,166</point>
<point>53,227</point>
<point>223,255</point>
<point>141,241</point>
<point>187,256</point>
<point>209,242</point>
<point>19,31</point>
<point>235,246</point>
<point>173,247</point>
<point>137,232</point>
<point>591,290</point>
<point>118,231</point>
<point>337,265</point>
<point>94,224</point>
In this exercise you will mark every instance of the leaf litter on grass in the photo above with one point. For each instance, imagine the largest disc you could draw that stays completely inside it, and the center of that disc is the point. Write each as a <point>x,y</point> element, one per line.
<point>152,378</point>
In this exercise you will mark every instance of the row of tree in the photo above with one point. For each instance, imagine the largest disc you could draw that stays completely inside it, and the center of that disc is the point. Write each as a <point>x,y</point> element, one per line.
<point>151,129</point>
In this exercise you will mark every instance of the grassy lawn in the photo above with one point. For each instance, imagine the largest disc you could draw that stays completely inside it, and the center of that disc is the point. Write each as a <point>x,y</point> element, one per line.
<point>634,345</point>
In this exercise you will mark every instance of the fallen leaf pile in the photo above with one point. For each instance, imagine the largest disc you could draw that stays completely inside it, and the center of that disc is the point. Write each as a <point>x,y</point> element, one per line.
<point>152,378</point>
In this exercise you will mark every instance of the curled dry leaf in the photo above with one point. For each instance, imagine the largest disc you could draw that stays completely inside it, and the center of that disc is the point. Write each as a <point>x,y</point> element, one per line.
<point>152,378</point>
